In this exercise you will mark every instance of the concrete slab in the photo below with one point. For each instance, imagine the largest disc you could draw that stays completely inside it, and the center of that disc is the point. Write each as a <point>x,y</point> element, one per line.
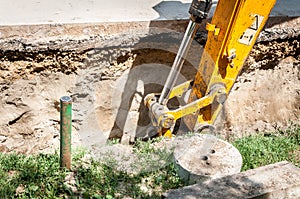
<point>280,180</point>
<point>36,25</point>
<point>20,12</point>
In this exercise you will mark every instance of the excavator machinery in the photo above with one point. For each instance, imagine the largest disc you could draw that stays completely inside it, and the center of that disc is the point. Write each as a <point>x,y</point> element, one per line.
<point>232,33</point>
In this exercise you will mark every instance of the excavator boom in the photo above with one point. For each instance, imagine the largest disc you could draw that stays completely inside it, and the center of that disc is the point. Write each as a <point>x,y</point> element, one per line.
<point>232,33</point>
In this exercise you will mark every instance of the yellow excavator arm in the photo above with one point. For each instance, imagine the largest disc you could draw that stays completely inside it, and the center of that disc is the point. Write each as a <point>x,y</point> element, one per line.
<point>232,33</point>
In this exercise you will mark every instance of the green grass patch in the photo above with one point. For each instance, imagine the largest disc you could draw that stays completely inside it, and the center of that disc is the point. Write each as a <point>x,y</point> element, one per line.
<point>31,176</point>
<point>269,148</point>
<point>40,176</point>
<point>98,181</point>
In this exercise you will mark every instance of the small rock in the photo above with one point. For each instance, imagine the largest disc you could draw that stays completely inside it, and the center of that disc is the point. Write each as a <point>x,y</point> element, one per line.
<point>70,182</point>
<point>20,189</point>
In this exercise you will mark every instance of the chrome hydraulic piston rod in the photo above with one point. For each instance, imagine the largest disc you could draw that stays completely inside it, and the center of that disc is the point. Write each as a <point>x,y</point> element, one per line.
<point>198,11</point>
<point>178,62</point>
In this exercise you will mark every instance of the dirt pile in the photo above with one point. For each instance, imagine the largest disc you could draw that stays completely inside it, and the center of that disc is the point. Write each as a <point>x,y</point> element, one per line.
<point>266,96</point>
<point>265,100</point>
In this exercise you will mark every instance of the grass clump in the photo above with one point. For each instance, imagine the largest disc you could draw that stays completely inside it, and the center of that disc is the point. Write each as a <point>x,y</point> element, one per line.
<point>98,181</point>
<point>269,148</point>
<point>40,176</point>
<point>31,176</point>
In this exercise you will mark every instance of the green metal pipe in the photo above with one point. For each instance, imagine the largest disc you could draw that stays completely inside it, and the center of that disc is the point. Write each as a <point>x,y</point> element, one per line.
<point>65,131</point>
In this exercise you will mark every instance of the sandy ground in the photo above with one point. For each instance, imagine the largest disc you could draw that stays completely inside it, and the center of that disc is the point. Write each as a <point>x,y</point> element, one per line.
<point>265,97</point>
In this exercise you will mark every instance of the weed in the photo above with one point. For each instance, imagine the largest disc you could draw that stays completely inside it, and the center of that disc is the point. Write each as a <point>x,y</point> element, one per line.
<point>268,148</point>
<point>40,176</point>
<point>31,176</point>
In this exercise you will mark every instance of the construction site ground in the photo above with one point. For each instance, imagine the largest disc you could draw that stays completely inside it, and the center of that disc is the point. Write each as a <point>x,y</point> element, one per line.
<point>100,59</point>
<point>100,71</point>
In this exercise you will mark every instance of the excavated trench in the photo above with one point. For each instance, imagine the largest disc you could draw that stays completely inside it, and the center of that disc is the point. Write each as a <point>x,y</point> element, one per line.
<point>102,81</point>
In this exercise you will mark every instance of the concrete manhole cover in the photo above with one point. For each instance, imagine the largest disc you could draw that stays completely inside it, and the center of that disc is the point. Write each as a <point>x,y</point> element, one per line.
<point>206,157</point>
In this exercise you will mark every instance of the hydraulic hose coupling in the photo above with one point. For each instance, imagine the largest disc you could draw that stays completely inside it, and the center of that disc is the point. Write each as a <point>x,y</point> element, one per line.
<point>199,10</point>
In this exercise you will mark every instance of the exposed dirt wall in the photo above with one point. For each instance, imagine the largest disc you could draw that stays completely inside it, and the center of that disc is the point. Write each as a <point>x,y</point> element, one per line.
<point>265,96</point>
